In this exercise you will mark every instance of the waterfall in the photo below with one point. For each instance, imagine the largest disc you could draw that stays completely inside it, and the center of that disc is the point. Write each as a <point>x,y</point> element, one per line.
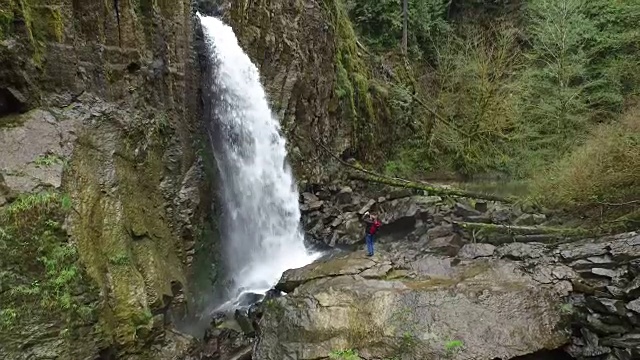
<point>261,230</point>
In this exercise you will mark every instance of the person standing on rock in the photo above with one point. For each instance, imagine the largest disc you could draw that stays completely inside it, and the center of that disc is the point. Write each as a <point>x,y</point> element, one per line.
<point>372,226</point>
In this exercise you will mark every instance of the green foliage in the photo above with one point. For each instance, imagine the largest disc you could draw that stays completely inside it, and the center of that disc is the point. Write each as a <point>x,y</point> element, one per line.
<point>344,355</point>
<point>30,207</point>
<point>604,170</point>
<point>8,317</point>
<point>48,160</point>
<point>35,246</point>
<point>613,50</point>
<point>474,89</point>
<point>352,79</point>
<point>453,347</point>
<point>42,23</point>
<point>515,93</point>
<point>120,259</point>
<point>555,85</point>
<point>409,342</point>
<point>410,160</point>
<point>6,21</point>
<point>380,22</point>
<point>567,309</point>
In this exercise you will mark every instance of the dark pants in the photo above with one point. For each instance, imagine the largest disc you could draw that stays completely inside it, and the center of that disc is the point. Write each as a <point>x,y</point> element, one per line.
<point>369,239</point>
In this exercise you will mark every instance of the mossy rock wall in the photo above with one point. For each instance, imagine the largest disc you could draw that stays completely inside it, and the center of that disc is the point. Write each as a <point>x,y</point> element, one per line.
<point>112,122</point>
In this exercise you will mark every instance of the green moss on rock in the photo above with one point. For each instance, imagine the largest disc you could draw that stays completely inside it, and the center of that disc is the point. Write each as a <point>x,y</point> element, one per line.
<point>352,78</point>
<point>44,289</point>
<point>40,23</point>
<point>124,236</point>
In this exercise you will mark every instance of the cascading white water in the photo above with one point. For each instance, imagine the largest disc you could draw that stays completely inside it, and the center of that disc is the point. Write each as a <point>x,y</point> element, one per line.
<point>261,235</point>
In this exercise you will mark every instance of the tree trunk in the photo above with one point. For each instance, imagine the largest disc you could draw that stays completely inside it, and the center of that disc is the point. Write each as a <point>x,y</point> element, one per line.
<point>431,189</point>
<point>405,20</point>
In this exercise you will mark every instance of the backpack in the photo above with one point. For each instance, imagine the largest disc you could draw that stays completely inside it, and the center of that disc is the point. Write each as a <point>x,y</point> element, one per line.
<point>374,227</point>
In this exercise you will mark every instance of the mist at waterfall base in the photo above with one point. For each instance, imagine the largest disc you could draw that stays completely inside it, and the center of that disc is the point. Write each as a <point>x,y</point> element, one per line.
<point>261,234</point>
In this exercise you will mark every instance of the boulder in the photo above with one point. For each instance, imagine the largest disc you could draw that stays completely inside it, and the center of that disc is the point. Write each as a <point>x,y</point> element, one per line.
<point>483,219</point>
<point>520,251</point>
<point>439,231</point>
<point>225,343</point>
<point>242,317</point>
<point>398,193</point>
<point>629,341</point>
<point>473,251</point>
<point>587,346</point>
<point>366,207</point>
<point>488,306</point>
<point>337,221</point>
<point>448,245</point>
<point>346,265</point>
<point>501,214</point>
<point>464,210</point>
<point>481,206</point>
<point>624,247</point>
<point>345,196</point>
<point>353,228</point>
<point>33,154</point>
<point>311,206</point>
<point>530,219</point>
<point>606,306</point>
<point>634,306</point>
<point>308,197</point>
<point>633,290</point>
<point>605,272</point>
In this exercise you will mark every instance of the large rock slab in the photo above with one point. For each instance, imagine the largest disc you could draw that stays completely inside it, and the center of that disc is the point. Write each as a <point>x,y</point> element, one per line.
<point>345,265</point>
<point>33,153</point>
<point>489,306</point>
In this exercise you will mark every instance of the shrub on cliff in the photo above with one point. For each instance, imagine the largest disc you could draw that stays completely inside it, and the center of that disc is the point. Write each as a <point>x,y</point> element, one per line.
<point>40,278</point>
<point>604,171</point>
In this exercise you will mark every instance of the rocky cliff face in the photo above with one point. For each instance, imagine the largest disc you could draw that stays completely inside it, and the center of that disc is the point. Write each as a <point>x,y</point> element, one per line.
<point>293,45</point>
<point>315,77</point>
<point>105,194</point>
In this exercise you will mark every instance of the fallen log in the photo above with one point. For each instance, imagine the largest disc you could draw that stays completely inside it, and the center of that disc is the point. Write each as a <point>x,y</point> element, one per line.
<point>521,230</point>
<point>243,354</point>
<point>429,188</point>
<point>501,239</point>
<point>497,234</point>
<point>518,229</point>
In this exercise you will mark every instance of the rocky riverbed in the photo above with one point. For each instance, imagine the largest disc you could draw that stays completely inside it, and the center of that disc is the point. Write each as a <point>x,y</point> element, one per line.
<point>434,290</point>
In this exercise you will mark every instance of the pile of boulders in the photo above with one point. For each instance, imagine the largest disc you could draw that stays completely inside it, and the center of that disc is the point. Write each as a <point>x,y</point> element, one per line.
<point>606,297</point>
<point>332,215</point>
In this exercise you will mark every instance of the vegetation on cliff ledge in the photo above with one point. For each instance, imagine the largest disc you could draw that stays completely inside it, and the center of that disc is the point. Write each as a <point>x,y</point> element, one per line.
<point>41,281</point>
<point>35,21</point>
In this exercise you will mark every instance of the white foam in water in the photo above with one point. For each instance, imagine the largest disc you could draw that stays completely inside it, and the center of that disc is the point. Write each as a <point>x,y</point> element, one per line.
<point>262,236</point>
